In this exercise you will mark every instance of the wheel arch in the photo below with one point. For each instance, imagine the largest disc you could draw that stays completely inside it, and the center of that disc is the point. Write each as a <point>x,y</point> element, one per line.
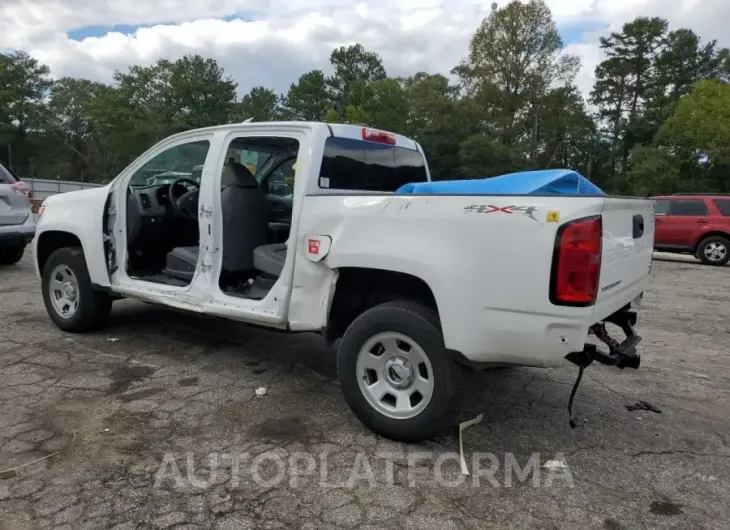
<point>714,233</point>
<point>50,241</point>
<point>360,288</point>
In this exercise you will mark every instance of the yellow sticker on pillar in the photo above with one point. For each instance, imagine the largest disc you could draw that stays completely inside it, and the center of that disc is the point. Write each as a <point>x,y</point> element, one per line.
<point>553,216</point>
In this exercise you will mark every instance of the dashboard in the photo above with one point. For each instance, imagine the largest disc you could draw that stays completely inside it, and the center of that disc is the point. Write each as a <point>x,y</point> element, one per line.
<point>152,201</point>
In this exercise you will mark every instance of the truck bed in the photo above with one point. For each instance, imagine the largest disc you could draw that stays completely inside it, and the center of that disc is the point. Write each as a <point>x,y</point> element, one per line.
<point>488,260</point>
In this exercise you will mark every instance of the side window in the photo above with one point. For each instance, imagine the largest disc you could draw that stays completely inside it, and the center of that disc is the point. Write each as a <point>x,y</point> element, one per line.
<point>724,206</point>
<point>689,207</point>
<point>368,166</point>
<point>180,161</point>
<point>662,206</point>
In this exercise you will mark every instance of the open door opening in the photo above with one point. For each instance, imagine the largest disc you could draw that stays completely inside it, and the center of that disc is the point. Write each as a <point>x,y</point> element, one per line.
<point>257,190</point>
<point>162,215</point>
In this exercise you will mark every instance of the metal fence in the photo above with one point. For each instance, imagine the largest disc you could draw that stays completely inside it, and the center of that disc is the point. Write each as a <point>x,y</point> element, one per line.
<point>43,188</point>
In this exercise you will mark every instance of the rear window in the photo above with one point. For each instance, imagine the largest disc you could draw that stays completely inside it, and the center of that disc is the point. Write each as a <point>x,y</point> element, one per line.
<point>6,177</point>
<point>688,207</point>
<point>368,166</point>
<point>723,205</point>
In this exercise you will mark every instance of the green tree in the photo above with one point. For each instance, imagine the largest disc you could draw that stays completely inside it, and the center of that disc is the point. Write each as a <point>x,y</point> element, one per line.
<point>481,156</point>
<point>440,122</point>
<point>567,134</point>
<point>201,95</point>
<point>308,98</point>
<point>654,171</point>
<point>611,93</point>
<point>24,83</point>
<point>701,123</point>
<point>261,104</point>
<point>683,61</point>
<point>76,122</point>
<point>388,106</point>
<point>513,59</point>
<point>354,70</point>
<point>332,116</point>
<point>357,116</point>
<point>625,81</point>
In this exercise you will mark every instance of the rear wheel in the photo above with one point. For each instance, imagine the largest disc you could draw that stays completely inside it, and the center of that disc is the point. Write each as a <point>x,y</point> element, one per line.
<point>11,256</point>
<point>70,300</point>
<point>396,374</point>
<point>714,250</point>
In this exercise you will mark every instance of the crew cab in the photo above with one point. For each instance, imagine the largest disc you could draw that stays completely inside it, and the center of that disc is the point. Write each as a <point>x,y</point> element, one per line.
<point>697,224</point>
<point>296,226</point>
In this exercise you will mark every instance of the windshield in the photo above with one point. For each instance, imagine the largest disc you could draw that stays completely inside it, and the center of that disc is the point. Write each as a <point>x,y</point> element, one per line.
<point>180,161</point>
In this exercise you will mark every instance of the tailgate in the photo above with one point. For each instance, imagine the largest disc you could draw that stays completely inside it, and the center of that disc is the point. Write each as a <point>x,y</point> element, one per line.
<point>14,207</point>
<point>628,243</point>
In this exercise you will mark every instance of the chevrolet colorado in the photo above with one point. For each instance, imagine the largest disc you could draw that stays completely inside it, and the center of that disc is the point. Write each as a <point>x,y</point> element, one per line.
<point>296,226</point>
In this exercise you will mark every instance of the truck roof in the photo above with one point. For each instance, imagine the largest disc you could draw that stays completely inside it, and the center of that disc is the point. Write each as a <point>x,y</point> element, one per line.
<point>340,130</point>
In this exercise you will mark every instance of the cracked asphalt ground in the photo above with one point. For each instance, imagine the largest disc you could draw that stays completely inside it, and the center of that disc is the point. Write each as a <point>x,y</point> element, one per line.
<point>87,422</point>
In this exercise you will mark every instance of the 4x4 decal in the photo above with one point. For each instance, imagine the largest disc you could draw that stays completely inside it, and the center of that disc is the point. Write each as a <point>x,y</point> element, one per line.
<point>491,208</point>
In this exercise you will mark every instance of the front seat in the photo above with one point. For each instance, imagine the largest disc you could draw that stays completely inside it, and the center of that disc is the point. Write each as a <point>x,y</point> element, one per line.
<point>245,227</point>
<point>245,219</point>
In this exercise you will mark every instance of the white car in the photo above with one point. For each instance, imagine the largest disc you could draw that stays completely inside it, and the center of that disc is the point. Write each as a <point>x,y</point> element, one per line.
<point>419,288</point>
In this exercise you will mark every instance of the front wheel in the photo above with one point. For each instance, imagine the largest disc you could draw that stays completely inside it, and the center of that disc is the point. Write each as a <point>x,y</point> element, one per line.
<point>70,300</point>
<point>714,250</point>
<point>396,375</point>
<point>11,256</point>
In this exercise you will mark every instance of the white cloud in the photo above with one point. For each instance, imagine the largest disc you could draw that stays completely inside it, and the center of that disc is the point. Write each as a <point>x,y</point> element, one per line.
<point>284,39</point>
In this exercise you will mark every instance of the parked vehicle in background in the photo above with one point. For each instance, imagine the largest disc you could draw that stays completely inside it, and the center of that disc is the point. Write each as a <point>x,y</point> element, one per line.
<point>697,224</point>
<point>17,224</point>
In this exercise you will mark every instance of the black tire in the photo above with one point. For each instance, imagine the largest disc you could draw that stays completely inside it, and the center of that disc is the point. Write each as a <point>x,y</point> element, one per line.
<point>716,240</point>
<point>94,307</point>
<point>420,324</point>
<point>11,256</point>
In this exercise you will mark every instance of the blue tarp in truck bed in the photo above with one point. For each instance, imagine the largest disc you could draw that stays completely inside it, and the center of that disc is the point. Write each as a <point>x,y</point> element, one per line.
<point>546,182</point>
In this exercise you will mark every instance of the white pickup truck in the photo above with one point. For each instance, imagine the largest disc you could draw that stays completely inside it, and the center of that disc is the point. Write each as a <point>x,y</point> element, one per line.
<point>295,226</point>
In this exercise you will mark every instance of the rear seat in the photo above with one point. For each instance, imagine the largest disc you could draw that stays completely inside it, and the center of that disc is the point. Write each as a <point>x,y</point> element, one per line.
<point>270,259</point>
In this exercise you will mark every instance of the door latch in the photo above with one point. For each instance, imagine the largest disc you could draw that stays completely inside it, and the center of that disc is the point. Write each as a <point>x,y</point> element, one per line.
<point>206,211</point>
<point>205,265</point>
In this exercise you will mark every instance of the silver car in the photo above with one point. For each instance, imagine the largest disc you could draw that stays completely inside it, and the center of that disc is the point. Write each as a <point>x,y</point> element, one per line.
<point>17,222</point>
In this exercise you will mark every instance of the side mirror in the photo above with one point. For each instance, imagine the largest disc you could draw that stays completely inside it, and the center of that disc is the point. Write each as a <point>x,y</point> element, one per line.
<point>281,189</point>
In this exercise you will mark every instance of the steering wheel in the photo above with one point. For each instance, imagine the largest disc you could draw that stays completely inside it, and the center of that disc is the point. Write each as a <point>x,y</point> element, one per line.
<point>187,204</point>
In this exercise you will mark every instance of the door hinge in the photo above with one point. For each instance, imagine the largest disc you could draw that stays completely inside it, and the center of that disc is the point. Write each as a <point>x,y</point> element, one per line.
<point>206,211</point>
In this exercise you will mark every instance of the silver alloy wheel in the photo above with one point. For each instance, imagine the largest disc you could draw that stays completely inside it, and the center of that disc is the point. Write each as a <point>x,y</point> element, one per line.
<point>715,251</point>
<point>63,290</point>
<point>395,375</point>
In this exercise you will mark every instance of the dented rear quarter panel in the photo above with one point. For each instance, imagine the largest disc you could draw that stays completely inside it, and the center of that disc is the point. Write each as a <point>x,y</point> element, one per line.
<point>487,260</point>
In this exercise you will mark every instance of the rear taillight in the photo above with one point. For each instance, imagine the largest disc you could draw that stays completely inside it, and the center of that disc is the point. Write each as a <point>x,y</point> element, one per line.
<point>19,187</point>
<point>577,263</point>
<point>381,137</point>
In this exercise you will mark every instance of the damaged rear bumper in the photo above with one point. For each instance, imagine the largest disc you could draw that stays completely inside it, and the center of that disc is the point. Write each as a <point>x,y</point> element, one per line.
<point>620,354</point>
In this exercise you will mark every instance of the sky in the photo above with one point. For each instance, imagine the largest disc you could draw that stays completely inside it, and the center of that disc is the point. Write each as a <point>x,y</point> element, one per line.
<point>272,42</point>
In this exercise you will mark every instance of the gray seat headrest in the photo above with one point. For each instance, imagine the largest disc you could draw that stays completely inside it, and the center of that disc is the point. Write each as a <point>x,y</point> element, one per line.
<point>241,176</point>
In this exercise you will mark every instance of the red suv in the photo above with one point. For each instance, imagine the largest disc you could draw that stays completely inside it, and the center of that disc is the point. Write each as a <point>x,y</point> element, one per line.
<point>698,224</point>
